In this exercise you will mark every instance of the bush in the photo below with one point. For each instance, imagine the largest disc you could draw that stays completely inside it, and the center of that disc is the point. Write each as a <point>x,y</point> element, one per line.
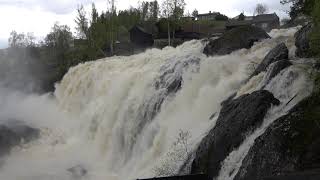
<point>315,35</point>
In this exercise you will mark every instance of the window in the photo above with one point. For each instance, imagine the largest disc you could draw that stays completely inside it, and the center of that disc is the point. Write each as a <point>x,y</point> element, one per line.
<point>264,25</point>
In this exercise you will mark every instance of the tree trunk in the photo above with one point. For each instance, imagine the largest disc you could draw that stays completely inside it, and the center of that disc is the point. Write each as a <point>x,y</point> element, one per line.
<point>169,43</point>
<point>173,34</point>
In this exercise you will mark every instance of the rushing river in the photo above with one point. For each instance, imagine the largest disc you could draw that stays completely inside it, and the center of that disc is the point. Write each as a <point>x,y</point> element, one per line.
<point>140,116</point>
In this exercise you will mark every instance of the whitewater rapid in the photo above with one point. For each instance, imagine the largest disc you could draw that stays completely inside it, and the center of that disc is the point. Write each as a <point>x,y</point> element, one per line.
<point>123,118</point>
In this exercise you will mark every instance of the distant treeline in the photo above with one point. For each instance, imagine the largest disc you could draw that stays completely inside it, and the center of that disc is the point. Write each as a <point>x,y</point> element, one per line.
<point>97,34</point>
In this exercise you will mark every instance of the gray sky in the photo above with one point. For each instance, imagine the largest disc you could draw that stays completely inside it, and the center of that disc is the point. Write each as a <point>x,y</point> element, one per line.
<point>38,16</point>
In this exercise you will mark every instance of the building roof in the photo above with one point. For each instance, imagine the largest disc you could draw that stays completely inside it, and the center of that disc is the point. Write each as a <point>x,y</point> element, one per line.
<point>253,19</point>
<point>238,23</point>
<point>265,17</point>
<point>245,18</point>
<point>137,27</point>
<point>141,29</point>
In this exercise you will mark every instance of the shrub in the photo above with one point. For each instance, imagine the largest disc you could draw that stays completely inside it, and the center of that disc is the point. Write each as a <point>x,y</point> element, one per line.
<point>315,35</point>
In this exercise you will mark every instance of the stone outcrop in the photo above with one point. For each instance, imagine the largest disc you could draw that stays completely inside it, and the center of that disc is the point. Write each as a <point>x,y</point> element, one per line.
<point>12,133</point>
<point>290,145</point>
<point>237,118</point>
<point>280,52</point>
<point>303,41</point>
<point>235,39</point>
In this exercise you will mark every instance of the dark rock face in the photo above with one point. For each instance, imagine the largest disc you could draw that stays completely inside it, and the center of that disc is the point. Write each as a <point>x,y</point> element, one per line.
<point>275,69</point>
<point>235,39</point>
<point>278,67</point>
<point>302,41</point>
<point>300,20</point>
<point>291,144</point>
<point>237,118</point>
<point>171,76</point>
<point>303,175</point>
<point>12,133</point>
<point>280,52</point>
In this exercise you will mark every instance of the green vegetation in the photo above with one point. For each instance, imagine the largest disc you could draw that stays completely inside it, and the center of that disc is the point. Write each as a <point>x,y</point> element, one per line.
<point>100,35</point>
<point>315,35</point>
<point>306,123</point>
<point>310,8</point>
<point>173,11</point>
<point>300,7</point>
<point>96,36</point>
<point>306,119</point>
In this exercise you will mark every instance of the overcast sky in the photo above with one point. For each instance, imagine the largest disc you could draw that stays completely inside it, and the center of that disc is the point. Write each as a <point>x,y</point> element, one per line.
<point>38,16</point>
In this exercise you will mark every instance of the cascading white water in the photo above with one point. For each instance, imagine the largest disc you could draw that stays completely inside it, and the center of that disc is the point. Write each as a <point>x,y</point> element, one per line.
<point>123,118</point>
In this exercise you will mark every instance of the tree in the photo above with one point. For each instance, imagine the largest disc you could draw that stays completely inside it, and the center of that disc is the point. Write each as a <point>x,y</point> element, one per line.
<point>58,43</point>
<point>173,10</point>
<point>154,10</point>
<point>260,9</point>
<point>300,6</point>
<point>315,34</point>
<point>18,40</point>
<point>221,17</point>
<point>82,23</point>
<point>112,15</point>
<point>145,8</point>
<point>241,17</point>
<point>167,12</point>
<point>94,14</point>
<point>195,13</point>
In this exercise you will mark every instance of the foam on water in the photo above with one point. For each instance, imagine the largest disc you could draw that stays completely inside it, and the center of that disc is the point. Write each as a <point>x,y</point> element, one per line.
<point>119,119</point>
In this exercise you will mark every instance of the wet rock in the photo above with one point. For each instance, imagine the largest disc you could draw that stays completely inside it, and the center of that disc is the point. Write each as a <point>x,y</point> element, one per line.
<point>169,82</point>
<point>237,118</point>
<point>313,175</point>
<point>316,66</point>
<point>280,52</point>
<point>278,67</point>
<point>171,76</point>
<point>291,144</point>
<point>300,20</point>
<point>77,171</point>
<point>303,40</point>
<point>14,132</point>
<point>275,69</point>
<point>235,39</point>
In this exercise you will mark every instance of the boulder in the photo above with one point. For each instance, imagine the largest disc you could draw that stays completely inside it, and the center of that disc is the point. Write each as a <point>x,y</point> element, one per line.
<point>235,39</point>
<point>277,67</point>
<point>291,144</point>
<point>303,40</point>
<point>77,171</point>
<point>237,118</point>
<point>303,175</point>
<point>274,69</point>
<point>13,132</point>
<point>280,52</point>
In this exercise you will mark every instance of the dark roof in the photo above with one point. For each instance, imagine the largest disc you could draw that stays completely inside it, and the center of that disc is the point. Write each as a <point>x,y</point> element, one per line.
<point>256,19</point>
<point>139,28</point>
<point>265,17</point>
<point>238,23</point>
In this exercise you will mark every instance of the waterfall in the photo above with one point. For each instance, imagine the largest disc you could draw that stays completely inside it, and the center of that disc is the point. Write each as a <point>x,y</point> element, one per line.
<point>144,115</point>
